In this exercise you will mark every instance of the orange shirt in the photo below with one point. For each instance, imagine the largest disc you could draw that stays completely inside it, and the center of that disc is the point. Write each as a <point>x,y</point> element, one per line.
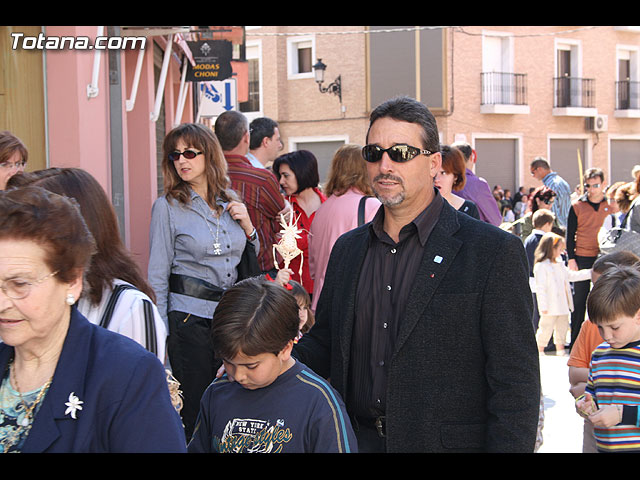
<point>586,342</point>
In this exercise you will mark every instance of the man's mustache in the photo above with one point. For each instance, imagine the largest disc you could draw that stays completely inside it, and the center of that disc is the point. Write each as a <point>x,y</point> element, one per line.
<point>388,176</point>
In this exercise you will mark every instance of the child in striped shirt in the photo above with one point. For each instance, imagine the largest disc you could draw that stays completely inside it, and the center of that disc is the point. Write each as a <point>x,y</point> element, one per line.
<point>612,394</point>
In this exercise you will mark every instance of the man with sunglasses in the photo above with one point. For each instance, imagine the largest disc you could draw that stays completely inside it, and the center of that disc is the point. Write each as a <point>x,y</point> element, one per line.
<point>416,324</point>
<point>585,218</point>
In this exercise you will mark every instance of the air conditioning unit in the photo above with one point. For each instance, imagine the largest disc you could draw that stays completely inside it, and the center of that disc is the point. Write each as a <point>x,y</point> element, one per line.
<point>599,123</point>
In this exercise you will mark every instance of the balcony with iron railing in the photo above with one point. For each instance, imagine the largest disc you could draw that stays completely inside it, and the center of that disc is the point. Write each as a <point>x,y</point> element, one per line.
<point>504,93</point>
<point>627,99</point>
<point>574,96</point>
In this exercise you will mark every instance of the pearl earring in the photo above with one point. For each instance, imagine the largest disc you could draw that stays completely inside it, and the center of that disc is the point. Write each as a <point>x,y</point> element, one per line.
<point>70,299</point>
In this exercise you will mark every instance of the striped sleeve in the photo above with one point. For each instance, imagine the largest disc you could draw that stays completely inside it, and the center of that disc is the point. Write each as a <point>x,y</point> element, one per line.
<point>614,379</point>
<point>332,432</point>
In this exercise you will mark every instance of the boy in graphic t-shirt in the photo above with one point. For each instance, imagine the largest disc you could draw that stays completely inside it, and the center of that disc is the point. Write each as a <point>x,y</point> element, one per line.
<point>266,401</point>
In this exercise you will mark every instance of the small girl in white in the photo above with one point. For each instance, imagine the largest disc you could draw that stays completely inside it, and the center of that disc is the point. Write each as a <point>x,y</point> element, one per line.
<point>555,300</point>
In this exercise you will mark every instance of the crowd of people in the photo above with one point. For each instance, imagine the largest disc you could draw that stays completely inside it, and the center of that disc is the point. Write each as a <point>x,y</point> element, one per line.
<point>279,314</point>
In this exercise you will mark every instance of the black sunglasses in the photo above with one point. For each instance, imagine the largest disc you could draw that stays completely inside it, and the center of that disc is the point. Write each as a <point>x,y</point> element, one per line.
<point>188,154</point>
<point>398,153</point>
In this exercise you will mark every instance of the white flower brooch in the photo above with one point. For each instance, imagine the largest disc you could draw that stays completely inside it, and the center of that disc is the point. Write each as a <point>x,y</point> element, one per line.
<point>73,405</point>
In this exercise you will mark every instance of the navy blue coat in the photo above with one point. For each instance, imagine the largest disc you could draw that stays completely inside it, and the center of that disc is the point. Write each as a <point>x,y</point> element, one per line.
<point>127,406</point>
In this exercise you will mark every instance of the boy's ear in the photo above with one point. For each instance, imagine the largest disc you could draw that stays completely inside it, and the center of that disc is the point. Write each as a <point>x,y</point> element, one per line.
<point>285,353</point>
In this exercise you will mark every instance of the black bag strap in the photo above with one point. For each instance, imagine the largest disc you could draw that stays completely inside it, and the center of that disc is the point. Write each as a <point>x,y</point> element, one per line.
<point>149,324</point>
<point>361,207</point>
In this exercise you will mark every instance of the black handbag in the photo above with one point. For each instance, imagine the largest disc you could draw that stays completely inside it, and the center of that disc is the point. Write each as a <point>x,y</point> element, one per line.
<point>248,266</point>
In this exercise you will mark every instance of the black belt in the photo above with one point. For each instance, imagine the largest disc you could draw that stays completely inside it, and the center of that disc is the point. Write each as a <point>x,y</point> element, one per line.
<point>194,287</point>
<point>379,423</point>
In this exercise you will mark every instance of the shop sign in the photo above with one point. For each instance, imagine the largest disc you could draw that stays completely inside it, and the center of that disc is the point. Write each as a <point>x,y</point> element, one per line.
<point>212,60</point>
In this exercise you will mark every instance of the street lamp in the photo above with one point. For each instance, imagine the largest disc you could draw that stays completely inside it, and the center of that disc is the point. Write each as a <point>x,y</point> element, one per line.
<point>335,87</point>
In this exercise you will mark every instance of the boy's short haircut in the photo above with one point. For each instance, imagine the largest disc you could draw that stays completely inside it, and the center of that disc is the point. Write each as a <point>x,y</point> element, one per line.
<point>614,295</point>
<point>622,257</point>
<point>542,217</point>
<point>254,316</point>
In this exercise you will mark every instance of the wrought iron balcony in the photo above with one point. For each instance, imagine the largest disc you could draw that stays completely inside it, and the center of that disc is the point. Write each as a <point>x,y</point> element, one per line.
<point>574,92</point>
<point>627,95</point>
<point>500,88</point>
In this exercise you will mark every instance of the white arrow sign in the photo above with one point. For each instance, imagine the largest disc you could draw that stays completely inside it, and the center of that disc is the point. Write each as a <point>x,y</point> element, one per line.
<point>218,97</point>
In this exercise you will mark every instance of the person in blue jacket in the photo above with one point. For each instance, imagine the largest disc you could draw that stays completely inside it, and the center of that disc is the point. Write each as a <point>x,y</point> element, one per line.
<point>267,401</point>
<point>67,385</point>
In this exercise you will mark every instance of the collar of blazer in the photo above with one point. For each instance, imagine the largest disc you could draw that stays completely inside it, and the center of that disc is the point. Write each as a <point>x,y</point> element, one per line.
<point>68,378</point>
<point>439,252</point>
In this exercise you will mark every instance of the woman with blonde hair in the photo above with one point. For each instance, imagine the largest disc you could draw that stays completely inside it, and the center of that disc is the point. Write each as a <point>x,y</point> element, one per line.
<point>348,184</point>
<point>199,234</point>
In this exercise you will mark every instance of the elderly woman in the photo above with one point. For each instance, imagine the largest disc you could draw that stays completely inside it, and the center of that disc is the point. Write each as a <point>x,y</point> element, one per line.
<point>68,385</point>
<point>297,173</point>
<point>117,296</point>
<point>13,157</point>
<point>200,232</point>
<point>452,178</point>
<point>346,186</point>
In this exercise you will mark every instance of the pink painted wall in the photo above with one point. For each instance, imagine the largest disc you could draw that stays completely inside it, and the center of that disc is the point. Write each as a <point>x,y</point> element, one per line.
<point>78,126</point>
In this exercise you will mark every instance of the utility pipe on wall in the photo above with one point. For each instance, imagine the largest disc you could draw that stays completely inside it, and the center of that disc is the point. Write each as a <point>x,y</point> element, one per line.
<point>92,88</point>
<point>163,77</point>
<point>131,101</point>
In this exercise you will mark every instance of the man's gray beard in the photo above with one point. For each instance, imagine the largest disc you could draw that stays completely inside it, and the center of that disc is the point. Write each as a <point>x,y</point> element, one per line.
<point>395,200</point>
<point>390,202</point>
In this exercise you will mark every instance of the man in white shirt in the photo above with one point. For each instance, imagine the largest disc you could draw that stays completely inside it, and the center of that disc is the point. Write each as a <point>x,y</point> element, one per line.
<point>265,143</point>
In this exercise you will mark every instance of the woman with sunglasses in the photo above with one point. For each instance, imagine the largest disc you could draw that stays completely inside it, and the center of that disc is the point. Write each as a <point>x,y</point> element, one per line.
<point>67,385</point>
<point>451,178</point>
<point>297,173</point>
<point>199,232</point>
<point>13,157</point>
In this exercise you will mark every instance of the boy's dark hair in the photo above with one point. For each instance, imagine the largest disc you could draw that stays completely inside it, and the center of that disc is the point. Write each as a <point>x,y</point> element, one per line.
<point>615,294</point>
<point>622,257</point>
<point>254,316</point>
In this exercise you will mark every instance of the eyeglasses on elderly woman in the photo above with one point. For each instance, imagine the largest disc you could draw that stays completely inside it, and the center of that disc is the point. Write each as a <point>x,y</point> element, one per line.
<point>19,288</point>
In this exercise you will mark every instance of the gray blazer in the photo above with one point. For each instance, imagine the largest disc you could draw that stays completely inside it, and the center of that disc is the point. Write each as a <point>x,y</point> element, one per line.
<point>465,372</point>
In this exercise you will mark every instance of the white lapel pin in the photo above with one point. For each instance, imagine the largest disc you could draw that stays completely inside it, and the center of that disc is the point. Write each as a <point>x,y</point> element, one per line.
<point>437,259</point>
<point>74,404</point>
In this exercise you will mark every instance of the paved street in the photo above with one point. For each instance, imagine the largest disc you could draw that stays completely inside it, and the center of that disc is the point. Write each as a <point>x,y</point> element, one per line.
<point>562,432</point>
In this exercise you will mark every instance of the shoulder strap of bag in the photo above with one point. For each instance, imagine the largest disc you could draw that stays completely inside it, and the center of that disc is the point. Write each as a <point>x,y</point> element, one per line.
<point>150,327</point>
<point>361,207</point>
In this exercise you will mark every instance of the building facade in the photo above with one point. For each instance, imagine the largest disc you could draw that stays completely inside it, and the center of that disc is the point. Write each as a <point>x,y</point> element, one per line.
<point>567,93</point>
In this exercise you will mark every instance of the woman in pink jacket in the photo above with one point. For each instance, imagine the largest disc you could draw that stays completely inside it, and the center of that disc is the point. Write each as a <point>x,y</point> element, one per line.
<point>346,185</point>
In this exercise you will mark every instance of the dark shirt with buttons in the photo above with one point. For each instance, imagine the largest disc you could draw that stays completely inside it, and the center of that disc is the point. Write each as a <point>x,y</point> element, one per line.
<point>387,276</point>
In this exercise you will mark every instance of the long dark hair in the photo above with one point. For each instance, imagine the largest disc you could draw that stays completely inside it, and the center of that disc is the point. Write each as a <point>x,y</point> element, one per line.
<point>112,260</point>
